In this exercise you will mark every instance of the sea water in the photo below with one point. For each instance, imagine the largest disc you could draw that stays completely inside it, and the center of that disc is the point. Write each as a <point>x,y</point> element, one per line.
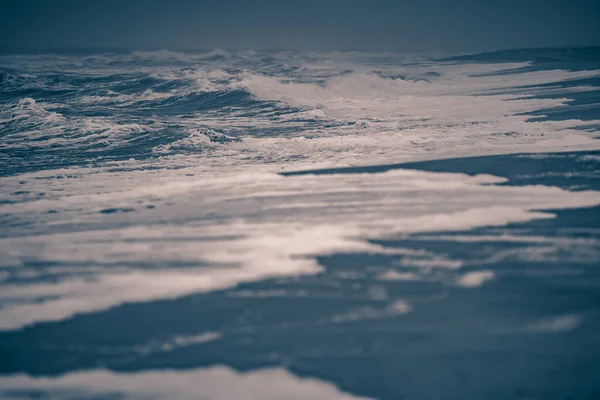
<point>284,225</point>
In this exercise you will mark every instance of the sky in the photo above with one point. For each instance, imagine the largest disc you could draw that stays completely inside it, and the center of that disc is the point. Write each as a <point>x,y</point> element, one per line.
<point>450,26</point>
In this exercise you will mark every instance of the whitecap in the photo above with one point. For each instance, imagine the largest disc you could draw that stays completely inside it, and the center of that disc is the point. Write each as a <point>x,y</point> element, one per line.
<point>216,383</point>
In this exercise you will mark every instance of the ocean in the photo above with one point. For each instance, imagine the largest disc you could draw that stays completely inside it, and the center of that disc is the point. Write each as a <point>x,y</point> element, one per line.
<point>300,225</point>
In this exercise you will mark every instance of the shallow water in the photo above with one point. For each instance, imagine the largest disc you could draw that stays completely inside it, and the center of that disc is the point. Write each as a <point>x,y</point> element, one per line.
<point>317,225</point>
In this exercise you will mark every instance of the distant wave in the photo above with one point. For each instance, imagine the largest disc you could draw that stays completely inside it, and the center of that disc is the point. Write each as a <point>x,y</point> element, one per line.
<point>145,104</point>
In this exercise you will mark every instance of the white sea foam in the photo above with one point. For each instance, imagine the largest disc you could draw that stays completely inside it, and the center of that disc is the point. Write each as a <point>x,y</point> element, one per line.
<point>28,125</point>
<point>460,113</point>
<point>180,341</point>
<point>590,158</point>
<point>215,383</point>
<point>557,324</point>
<point>29,111</point>
<point>393,309</point>
<point>475,278</point>
<point>223,216</point>
<point>393,275</point>
<point>368,116</point>
<point>124,100</point>
<point>224,230</point>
